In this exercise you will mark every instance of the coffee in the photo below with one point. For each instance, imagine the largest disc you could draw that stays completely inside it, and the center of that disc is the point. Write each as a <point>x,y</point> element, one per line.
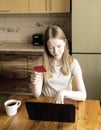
<point>11,104</point>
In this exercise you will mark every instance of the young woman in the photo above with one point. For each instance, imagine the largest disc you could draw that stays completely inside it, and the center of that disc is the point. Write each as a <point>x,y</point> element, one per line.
<point>61,68</point>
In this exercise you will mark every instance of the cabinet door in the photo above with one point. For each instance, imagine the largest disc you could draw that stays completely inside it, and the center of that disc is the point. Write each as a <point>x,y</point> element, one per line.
<point>38,6</point>
<point>61,6</point>
<point>14,73</point>
<point>13,6</point>
<point>91,68</point>
<point>49,6</point>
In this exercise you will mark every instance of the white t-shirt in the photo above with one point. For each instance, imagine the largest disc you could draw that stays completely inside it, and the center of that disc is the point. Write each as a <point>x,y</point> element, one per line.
<point>61,82</point>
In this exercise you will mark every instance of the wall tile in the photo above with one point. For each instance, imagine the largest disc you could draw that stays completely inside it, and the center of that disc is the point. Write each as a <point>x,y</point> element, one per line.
<point>22,27</point>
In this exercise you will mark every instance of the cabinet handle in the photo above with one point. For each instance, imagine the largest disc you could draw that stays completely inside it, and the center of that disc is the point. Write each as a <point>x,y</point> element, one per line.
<point>1,11</point>
<point>46,5</point>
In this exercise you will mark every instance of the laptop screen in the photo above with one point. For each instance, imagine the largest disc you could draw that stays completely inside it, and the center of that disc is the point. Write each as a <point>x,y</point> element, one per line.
<point>50,111</point>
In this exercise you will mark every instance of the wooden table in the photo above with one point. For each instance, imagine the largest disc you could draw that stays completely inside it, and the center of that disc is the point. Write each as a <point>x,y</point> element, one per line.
<point>88,116</point>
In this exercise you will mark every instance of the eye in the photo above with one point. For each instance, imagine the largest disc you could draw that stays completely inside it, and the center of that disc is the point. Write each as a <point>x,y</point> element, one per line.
<point>50,48</point>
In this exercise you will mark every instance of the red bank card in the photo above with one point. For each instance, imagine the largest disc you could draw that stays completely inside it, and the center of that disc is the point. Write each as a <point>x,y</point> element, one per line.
<point>40,68</point>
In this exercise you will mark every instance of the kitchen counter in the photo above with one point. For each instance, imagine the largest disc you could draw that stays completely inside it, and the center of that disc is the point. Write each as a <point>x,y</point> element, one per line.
<point>22,47</point>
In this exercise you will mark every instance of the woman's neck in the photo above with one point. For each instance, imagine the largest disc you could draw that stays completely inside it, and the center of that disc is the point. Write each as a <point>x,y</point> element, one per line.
<point>57,62</point>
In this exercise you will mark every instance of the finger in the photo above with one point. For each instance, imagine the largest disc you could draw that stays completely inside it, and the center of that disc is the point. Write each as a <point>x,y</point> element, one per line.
<point>37,73</point>
<point>35,80</point>
<point>59,100</point>
<point>35,76</point>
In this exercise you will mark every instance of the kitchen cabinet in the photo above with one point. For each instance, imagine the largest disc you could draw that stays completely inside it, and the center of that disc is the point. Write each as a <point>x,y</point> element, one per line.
<point>90,65</point>
<point>59,6</point>
<point>49,6</point>
<point>16,68</point>
<point>14,73</point>
<point>13,6</point>
<point>34,6</point>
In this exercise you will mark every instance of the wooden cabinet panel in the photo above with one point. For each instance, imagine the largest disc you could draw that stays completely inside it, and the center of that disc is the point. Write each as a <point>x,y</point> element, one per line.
<point>13,6</point>
<point>61,6</point>
<point>49,6</point>
<point>38,6</point>
<point>33,60</point>
<point>15,71</point>
<point>14,81</point>
<point>34,6</point>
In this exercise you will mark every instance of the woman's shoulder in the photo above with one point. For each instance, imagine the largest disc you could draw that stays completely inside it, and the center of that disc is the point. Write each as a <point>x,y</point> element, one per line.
<point>75,66</point>
<point>75,62</point>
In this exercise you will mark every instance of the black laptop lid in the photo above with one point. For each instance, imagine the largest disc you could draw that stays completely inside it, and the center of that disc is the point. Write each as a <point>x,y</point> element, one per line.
<point>51,111</point>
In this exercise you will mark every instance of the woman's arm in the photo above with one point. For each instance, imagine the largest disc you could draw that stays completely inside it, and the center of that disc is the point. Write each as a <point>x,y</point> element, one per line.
<point>36,84</point>
<point>80,91</point>
<point>79,94</point>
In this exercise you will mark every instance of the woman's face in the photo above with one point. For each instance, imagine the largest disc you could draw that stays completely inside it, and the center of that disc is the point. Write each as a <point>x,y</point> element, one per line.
<point>56,48</point>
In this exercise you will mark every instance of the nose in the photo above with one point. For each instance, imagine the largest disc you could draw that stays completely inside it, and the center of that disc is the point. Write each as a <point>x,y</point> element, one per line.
<point>55,50</point>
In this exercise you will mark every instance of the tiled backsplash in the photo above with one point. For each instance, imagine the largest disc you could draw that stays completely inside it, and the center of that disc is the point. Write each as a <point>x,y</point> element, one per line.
<point>20,28</point>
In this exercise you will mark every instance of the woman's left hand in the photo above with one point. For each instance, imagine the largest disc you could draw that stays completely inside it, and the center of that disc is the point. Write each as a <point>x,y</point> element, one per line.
<point>59,98</point>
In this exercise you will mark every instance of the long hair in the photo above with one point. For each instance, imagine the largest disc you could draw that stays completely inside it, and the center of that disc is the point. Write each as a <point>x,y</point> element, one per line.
<point>56,32</point>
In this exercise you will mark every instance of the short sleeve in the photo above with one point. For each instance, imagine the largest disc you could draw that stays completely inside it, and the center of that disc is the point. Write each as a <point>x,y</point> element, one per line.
<point>75,68</point>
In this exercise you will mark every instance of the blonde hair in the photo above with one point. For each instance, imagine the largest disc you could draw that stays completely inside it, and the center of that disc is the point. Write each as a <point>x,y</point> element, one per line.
<point>56,32</point>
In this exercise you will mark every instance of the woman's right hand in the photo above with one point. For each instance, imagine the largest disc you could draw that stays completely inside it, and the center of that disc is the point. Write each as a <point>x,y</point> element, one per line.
<point>36,77</point>
<point>37,81</point>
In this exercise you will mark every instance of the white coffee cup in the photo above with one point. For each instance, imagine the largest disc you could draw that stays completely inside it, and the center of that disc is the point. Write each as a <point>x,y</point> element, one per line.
<point>11,106</point>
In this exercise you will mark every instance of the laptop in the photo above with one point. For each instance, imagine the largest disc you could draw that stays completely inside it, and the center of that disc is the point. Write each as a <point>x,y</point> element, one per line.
<point>50,111</point>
